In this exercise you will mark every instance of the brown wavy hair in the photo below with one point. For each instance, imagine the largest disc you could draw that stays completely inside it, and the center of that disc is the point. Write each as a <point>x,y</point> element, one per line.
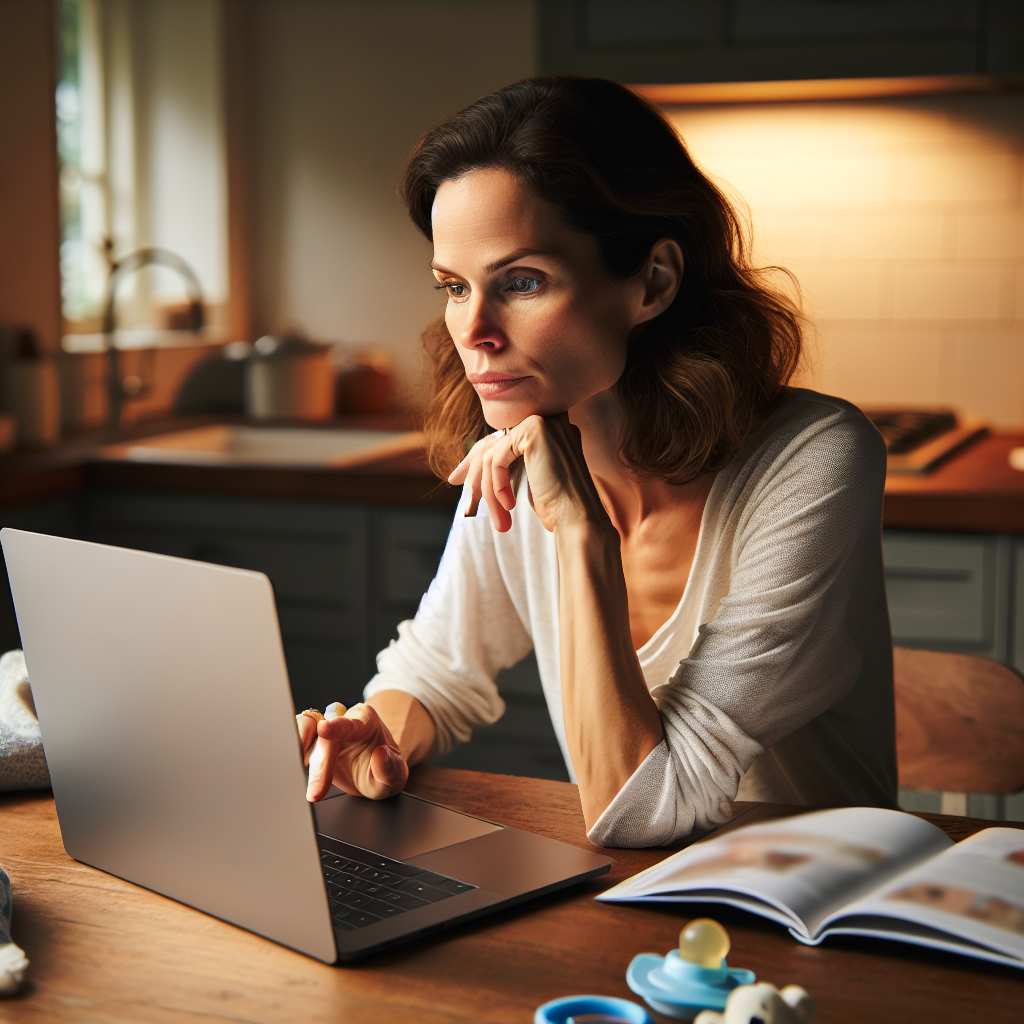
<point>698,377</point>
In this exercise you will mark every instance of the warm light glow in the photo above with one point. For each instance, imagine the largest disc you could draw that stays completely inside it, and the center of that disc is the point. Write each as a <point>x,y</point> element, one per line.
<point>826,89</point>
<point>903,222</point>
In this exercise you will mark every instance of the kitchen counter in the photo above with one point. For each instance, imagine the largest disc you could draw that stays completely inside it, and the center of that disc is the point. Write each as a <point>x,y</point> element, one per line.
<point>67,469</point>
<point>974,491</point>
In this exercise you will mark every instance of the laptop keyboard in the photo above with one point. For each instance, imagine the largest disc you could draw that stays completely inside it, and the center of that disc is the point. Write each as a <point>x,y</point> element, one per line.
<point>365,888</point>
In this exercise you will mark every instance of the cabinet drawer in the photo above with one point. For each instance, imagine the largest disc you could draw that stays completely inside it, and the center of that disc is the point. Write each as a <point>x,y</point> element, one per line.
<point>941,589</point>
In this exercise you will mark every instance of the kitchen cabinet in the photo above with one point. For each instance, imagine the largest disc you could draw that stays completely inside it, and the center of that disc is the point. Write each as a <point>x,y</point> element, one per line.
<point>682,41</point>
<point>58,517</point>
<point>522,741</point>
<point>953,592</point>
<point>409,544</point>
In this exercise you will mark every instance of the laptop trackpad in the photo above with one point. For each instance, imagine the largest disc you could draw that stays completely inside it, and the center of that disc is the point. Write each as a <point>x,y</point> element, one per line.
<point>401,827</point>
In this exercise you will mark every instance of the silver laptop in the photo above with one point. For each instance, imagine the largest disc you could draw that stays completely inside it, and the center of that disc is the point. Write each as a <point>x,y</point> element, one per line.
<point>167,720</point>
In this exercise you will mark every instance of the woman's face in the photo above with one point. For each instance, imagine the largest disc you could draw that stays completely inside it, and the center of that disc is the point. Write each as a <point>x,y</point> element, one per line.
<point>539,323</point>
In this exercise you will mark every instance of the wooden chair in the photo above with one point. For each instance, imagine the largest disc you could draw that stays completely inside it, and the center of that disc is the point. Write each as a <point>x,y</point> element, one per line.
<point>959,725</point>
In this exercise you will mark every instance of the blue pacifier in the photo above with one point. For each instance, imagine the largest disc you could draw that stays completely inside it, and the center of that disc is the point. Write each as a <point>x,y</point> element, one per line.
<point>693,977</point>
<point>567,1009</point>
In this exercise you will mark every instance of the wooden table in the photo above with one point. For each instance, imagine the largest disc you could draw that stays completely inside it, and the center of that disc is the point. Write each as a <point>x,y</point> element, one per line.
<point>103,950</point>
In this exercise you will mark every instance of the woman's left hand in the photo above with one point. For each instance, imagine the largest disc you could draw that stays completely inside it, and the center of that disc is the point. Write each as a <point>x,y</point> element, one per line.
<point>562,490</point>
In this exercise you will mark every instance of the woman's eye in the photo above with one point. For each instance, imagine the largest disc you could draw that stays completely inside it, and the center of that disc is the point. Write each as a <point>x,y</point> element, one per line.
<point>524,285</point>
<point>453,288</point>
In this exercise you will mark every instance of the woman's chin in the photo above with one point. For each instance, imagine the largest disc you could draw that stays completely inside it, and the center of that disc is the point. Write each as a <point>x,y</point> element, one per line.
<point>507,414</point>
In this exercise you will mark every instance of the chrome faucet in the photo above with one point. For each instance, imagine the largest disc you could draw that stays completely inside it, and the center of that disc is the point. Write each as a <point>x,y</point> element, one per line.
<point>118,272</point>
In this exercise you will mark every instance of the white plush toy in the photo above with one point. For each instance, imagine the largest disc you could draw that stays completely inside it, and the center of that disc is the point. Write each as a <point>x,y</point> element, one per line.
<point>763,1003</point>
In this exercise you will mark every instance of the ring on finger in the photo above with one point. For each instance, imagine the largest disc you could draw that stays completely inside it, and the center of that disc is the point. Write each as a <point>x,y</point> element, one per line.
<point>314,714</point>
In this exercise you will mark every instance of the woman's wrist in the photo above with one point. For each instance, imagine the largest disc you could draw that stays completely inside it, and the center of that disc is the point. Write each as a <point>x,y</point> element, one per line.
<point>590,555</point>
<point>408,721</point>
<point>586,534</point>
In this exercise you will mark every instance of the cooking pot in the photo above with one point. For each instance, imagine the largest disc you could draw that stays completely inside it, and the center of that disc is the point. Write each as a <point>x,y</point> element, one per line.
<point>290,377</point>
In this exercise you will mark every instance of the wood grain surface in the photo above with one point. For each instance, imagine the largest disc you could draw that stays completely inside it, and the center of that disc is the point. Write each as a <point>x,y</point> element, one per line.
<point>103,950</point>
<point>959,722</point>
<point>974,491</point>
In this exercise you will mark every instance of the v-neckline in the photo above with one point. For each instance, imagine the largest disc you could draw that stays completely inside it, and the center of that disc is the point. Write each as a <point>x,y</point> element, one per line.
<point>656,641</point>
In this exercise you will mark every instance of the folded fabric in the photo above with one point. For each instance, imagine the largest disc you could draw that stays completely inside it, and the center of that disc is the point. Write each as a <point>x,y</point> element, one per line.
<point>22,766</point>
<point>22,762</point>
<point>13,961</point>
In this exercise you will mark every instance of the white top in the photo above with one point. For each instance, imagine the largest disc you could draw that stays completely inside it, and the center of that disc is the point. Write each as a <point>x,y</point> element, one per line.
<point>773,676</point>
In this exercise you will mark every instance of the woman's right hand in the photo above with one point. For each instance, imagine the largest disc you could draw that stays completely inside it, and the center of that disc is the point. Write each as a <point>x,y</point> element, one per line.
<point>355,750</point>
<point>562,490</point>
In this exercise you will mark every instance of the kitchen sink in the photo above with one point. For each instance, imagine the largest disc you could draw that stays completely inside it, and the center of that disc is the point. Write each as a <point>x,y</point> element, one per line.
<point>241,445</point>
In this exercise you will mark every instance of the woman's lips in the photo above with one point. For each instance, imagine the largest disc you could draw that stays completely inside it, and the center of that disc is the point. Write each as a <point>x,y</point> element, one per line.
<point>491,385</point>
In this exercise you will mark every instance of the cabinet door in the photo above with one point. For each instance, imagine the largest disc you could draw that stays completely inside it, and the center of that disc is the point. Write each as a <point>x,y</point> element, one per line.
<point>678,41</point>
<point>315,554</point>
<point>409,545</point>
<point>522,741</point>
<point>942,590</point>
<point>58,517</point>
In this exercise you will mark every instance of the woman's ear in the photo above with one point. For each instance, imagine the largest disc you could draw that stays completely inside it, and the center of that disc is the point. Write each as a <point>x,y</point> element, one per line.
<point>662,274</point>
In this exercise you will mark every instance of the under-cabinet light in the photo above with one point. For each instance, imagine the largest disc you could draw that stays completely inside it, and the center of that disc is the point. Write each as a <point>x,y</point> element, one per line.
<point>825,89</point>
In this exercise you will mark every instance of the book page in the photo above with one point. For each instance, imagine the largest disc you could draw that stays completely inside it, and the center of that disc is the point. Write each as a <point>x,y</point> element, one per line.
<point>974,891</point>
<point>806,866</point>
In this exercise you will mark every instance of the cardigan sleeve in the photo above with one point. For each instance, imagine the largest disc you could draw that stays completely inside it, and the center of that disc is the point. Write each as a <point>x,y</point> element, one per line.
<point>801,528</point>
<point>465,631</point>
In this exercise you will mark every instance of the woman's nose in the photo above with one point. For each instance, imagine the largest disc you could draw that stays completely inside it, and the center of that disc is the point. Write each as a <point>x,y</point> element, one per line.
<point>478,327</point>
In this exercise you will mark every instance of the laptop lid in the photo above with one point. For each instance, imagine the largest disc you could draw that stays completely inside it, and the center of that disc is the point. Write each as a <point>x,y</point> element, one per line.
<point>163,700</point>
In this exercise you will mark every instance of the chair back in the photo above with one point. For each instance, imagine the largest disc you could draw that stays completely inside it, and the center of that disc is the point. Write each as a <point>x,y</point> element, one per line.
<point>959,723</point>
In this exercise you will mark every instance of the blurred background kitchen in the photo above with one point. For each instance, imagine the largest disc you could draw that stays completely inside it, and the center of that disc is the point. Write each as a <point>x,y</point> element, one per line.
<point>211,299</point>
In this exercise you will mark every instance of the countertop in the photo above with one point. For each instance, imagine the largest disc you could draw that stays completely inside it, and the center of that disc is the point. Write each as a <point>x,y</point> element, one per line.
<point>68,468</point>
<point>974,491</point>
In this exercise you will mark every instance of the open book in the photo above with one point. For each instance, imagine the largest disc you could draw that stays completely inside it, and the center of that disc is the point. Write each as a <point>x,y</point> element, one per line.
<point>857,871</point>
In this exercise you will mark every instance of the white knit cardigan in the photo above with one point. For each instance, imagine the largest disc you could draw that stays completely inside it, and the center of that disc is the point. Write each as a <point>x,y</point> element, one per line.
<point>773,677</point>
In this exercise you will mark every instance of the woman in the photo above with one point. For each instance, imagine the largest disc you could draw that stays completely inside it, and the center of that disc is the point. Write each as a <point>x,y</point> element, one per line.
<point>692,549</point>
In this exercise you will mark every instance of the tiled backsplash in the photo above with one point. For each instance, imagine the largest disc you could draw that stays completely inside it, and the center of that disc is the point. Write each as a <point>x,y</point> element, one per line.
<point>903,222</point>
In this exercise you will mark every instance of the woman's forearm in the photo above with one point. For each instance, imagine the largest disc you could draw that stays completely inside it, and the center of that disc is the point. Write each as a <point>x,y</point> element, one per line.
<point>611,722</point>
<point>409,721</point>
